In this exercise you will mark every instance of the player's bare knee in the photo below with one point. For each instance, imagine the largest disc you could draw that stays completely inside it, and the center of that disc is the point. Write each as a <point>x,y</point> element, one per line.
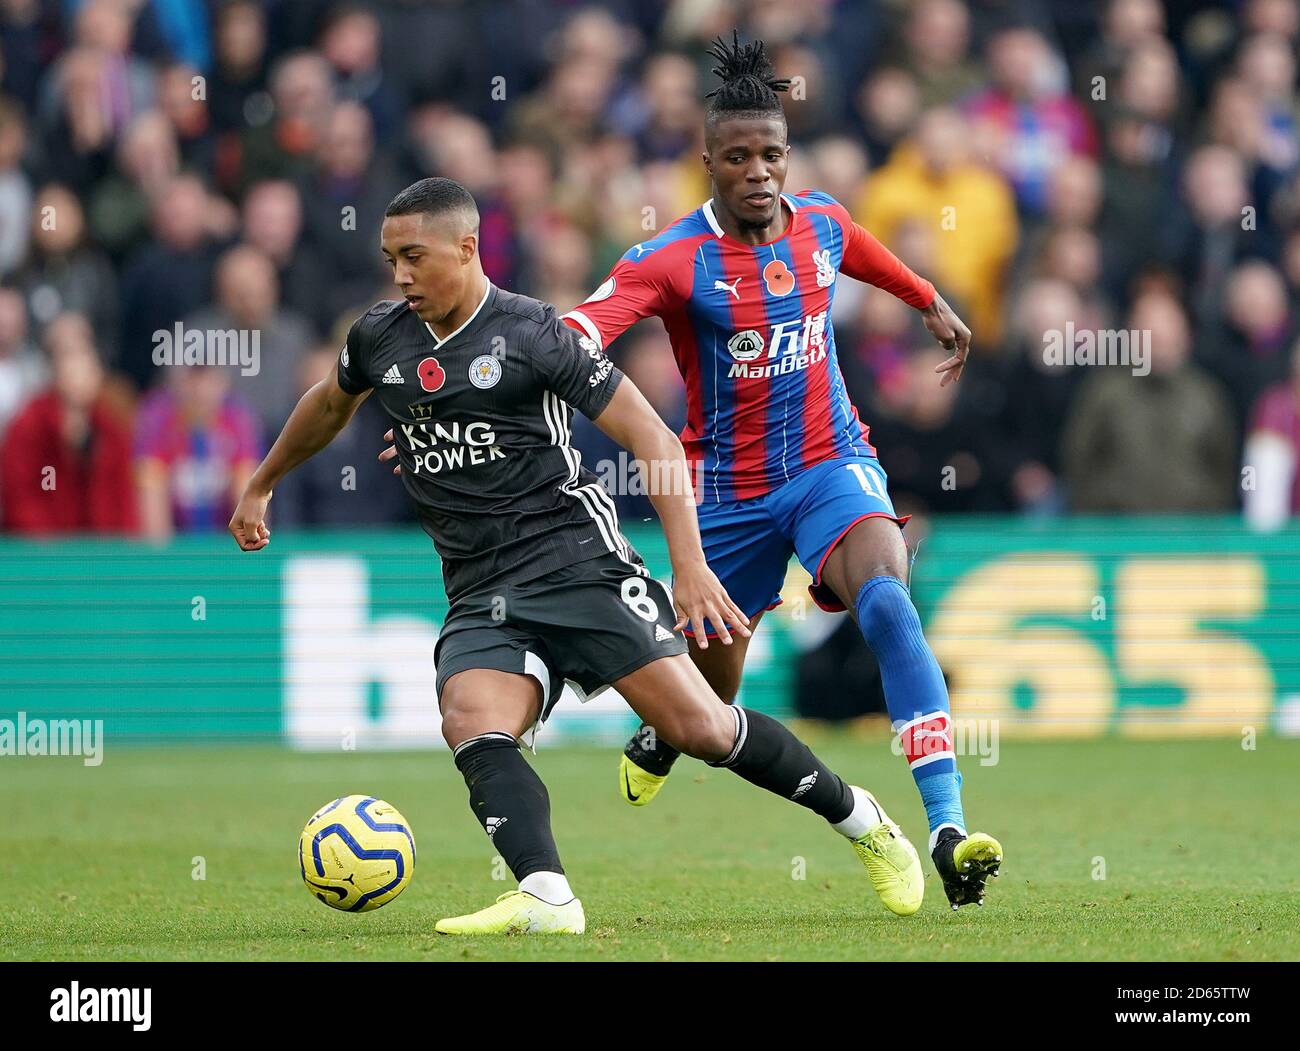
<point>457,724</point>
<point>888,568</point>
<point>462,717</point>
<point>707,734</point>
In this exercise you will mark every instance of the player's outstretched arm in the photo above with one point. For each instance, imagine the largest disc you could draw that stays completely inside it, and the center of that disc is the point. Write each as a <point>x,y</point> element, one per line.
<point>697,593</point>
<point>866,259</point>
<point>319,415</point>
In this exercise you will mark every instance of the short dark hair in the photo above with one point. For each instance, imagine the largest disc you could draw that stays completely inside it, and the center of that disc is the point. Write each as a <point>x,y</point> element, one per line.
<point>432,196</point>
<point>749,83</point>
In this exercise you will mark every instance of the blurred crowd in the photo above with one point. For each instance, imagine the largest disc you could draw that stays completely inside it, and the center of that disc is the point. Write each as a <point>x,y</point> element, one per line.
<point>224,166</point>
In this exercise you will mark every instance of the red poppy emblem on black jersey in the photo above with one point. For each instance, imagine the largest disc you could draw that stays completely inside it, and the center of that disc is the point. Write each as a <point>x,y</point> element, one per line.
<point>431,375</point>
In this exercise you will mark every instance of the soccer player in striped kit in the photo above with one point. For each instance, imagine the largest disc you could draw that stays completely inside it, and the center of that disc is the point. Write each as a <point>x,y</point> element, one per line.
<point>783,465</point>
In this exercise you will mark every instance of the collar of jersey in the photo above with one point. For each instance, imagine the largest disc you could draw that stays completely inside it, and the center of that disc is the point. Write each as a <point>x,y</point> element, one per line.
<point>722,234</point>
<point>440,343</point>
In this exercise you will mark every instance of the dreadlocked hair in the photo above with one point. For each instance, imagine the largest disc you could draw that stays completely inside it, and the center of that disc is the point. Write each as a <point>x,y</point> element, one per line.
<point>749,83</point>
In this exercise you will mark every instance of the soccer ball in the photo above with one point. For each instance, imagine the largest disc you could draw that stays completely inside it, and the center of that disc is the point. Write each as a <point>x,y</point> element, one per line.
<point>356,853</point>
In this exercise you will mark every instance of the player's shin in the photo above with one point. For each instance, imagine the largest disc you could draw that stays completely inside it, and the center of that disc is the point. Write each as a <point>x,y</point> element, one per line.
<point>650,753</point>
<point>916,696</point>
<point>768,755</point>
<point>512,803</point>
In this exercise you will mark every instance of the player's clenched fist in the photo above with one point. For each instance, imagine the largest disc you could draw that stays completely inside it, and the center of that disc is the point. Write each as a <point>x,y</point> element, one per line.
<point>699,596</point>
<point>248,523</point>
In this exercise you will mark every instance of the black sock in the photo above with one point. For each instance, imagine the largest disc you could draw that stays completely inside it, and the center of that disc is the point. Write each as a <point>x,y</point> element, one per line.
<point>510,802</point>
<point>649,752</point>
<point>770,756</point>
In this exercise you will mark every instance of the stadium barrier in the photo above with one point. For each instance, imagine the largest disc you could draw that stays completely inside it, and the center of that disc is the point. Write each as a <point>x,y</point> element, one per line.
<point>1142,626</point>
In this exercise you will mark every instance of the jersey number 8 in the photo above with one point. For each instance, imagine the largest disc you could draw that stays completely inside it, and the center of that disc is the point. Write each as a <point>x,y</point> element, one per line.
<point>638,599</point>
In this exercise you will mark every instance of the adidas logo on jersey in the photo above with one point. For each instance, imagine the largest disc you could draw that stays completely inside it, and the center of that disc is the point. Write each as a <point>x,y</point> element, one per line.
<point>492,824</point>
<point>662,634</point>
<point>805,785</point>
<point>393,376</point>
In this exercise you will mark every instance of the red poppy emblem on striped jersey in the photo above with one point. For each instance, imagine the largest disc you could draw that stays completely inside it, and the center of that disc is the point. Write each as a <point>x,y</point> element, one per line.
<point>777,277</point>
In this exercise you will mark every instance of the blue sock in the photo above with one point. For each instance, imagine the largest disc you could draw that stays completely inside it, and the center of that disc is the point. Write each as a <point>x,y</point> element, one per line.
<point>916,696</point>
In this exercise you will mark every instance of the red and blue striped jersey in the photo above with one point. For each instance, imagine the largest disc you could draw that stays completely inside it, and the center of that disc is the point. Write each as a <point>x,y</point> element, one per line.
<point>750,327</point>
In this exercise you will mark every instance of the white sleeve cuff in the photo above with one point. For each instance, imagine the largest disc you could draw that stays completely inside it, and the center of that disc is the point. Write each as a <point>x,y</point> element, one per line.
<point>585,324</point>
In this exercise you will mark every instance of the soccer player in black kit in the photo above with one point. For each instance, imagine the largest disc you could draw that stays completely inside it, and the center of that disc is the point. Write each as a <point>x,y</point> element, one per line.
<point>481,385</point>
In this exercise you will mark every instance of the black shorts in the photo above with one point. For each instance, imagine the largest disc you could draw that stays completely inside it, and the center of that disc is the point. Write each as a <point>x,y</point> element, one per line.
<point>590,623</point>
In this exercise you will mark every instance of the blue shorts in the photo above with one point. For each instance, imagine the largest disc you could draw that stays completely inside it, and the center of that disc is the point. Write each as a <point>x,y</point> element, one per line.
<point>748,543</point>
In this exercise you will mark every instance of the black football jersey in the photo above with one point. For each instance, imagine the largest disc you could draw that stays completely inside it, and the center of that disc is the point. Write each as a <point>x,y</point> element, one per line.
<point>482,426</point>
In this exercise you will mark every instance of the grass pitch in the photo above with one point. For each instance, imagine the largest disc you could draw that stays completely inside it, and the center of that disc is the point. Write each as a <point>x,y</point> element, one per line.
<point>1196,841</point>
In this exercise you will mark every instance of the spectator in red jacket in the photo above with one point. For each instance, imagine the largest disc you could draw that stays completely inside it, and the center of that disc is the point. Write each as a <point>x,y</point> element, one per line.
<point>65,466</point>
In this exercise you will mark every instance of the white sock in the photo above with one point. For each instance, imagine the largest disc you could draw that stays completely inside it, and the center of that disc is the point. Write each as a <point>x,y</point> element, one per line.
<point>934,836</point>
<point>551,887</point>
<point>865,814</point>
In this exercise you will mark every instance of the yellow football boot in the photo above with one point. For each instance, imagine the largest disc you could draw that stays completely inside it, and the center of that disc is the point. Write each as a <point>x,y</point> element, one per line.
<point>892,864</point>
<point>638,786</point>
<point>516,912</point>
